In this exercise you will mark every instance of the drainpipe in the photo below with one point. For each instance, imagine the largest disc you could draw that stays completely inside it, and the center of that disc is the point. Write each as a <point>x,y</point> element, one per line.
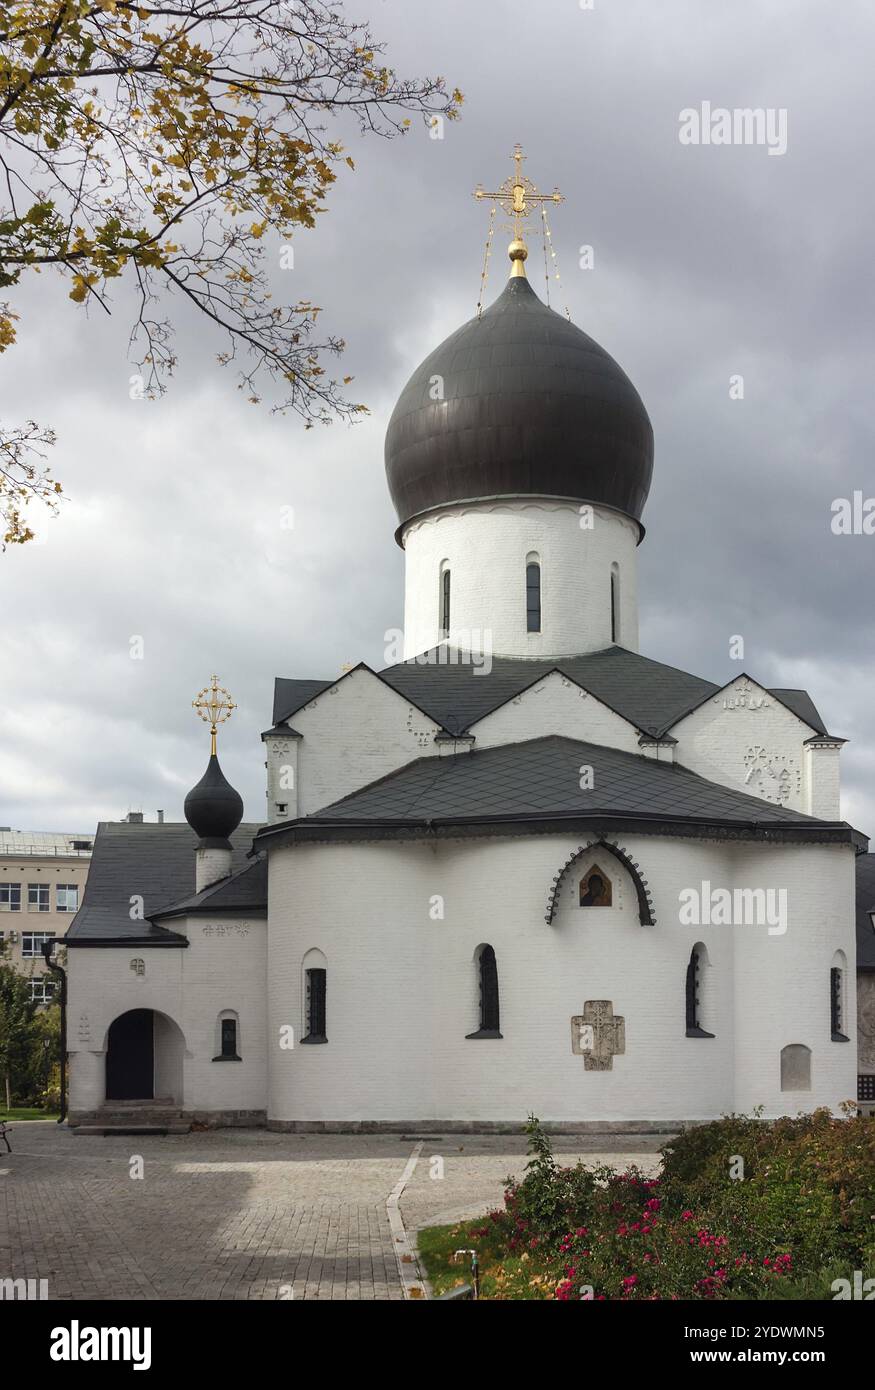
<point>47,948</point>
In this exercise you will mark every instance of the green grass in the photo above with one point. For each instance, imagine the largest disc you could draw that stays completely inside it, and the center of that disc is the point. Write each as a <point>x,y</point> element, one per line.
<point>502,1276</point>
<point>25,1112</point>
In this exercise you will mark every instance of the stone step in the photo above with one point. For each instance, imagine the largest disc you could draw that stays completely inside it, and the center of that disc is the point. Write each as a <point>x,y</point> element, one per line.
<point>134,1130</point>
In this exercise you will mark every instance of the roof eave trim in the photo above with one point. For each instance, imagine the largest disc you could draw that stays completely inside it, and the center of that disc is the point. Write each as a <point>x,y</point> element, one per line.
<point>141,942</point>
<point>205,910</point>
<point>314,831</point>
<point>515,497</point>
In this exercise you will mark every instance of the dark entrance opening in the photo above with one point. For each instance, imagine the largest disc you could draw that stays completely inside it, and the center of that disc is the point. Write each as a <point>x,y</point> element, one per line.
<point>130,1057</point>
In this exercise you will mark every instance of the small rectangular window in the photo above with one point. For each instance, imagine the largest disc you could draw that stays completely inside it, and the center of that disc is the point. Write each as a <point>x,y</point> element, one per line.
<point>38,897</point>
<point>42,991</point>
<point>10,897</point>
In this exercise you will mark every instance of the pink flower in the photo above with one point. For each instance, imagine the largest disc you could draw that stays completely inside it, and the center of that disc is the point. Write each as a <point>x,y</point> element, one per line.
<point>686,1216</point>
<point>630,1281</point>
<point>653,1205</point>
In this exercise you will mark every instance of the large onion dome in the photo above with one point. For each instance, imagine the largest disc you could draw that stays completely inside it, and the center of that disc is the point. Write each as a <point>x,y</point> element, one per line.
<point>519,402</point>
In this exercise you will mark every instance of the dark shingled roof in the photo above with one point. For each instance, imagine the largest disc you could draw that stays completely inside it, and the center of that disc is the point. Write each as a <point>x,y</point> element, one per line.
<point>291,695</point>
<point>801,704</point>
<point>154,861</point>
<point>865,905</point>
<point>650,695</point>
<point>244,891</point>
<point>539,780</point>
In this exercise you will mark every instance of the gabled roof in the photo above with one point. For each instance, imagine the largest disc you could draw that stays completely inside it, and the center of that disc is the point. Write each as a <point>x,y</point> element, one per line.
<point>798,702</point>
<point>151,861</point>
<point>538,781</point>
<point>650,695</point>
<point>445,685</point>
<point>865,905</point>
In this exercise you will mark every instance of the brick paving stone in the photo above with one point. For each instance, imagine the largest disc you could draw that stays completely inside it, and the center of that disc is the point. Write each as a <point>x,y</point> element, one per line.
<point>237,1214</point>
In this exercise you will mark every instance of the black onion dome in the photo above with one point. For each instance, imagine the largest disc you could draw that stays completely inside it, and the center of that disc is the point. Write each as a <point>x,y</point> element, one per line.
<point>532,406</point>
<point>213,808</point>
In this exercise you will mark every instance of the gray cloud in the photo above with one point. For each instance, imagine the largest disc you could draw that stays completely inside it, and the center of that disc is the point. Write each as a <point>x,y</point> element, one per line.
<point>708,262</point>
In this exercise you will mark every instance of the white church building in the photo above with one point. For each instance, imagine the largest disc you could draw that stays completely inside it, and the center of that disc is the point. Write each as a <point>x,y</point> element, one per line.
<point>524,868</point>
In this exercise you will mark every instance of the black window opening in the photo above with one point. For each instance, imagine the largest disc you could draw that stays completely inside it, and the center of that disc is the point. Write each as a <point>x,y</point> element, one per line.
<point>229,1037</point>
<point>694,1023</point>
<point>615,605</point>
<point>489,1013</point>
<point>315,1007</point>
<point>836,1021</point>
<point>533,597</point>
<point>228,1041</point>
<point>445,603</point>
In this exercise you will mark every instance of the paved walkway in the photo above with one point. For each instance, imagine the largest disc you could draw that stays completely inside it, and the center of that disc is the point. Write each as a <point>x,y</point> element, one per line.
<point>239,1213</point>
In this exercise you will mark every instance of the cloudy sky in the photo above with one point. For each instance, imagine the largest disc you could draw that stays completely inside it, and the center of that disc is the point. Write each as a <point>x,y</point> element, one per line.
<point>710,261</point>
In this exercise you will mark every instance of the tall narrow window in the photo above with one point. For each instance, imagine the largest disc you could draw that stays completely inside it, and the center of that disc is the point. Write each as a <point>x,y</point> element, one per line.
<point>488,981</point>
<point>693,995</point>
<point>445,600</point>
<point>315,1006</point>
<point>533,596</point>
<point>615,602</point>
<point>229,1037</point>
<point>836,1005</point>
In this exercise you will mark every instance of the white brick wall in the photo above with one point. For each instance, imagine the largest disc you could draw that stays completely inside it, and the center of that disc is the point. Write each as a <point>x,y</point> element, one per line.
<point>744,738</point>
<point>353,733</point>
<point>401,986</point>
<point>486,545</point>
<point>191,986</point>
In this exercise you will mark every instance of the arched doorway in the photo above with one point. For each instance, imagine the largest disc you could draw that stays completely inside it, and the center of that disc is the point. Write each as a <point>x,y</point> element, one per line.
<point>130,1056</point>
<point>144,1057</point>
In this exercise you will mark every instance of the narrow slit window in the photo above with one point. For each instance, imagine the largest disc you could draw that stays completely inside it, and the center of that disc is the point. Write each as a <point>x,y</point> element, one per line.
<point>316,982</point>
<point>445,603</point>
<point>836,1011</point>
<point>615,602</point>
<point>487,968</point>
<point>693,996</point>
<point>533,596</point>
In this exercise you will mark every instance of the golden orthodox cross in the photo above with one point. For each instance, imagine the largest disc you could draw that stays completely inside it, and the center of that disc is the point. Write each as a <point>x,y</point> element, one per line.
<point>517,197</point>
<point>215,706</point>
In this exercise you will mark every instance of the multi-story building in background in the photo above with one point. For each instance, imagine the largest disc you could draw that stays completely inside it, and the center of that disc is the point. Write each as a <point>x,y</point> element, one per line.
<point>42,880</point>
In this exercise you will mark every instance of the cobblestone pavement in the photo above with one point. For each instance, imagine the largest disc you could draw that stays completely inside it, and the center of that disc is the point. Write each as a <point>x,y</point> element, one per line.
<point>238,1213</point>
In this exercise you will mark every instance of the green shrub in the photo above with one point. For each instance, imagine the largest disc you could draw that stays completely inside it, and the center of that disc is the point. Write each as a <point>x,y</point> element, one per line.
<point>795,1214</point>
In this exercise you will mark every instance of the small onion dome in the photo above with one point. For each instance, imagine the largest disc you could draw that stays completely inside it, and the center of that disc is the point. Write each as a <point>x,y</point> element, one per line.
<point>213,808</point>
